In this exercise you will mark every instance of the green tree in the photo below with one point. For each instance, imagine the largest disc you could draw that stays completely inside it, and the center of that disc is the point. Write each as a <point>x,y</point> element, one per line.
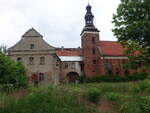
<point>132,28</point>
<point>11,72</point>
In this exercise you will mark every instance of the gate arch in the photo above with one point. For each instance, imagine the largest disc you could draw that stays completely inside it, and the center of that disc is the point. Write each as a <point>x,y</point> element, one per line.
<point>72,77</point>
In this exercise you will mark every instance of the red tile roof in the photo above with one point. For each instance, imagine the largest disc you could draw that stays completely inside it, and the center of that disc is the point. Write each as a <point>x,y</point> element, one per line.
<point>68,52</point>
<point>108,48</point>
<point>111,48</point>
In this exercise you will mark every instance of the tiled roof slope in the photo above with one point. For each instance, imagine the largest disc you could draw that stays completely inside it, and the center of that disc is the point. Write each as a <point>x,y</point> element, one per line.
<point>108,48</point>
<point>111,48</point>
<point>68,52</point>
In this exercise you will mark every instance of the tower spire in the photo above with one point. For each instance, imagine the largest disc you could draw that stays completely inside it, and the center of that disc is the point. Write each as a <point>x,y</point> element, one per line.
<point>89,17</point>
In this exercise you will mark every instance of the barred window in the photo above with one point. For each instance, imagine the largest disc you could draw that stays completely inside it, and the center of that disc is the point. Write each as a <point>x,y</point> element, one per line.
<point>41,76</point>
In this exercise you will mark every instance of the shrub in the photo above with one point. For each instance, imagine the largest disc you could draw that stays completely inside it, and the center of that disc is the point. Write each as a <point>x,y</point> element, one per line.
<point>144,85</point>
<point>130,107</point>
<point>12,73</point>
<point>136,76</point>
<point>6,88</point>
<point>94,95</point>
<point>112,96</point>
<point>82,79</point>
<point>145,104</point>
<point>117,78</point>
<point>105,78</point>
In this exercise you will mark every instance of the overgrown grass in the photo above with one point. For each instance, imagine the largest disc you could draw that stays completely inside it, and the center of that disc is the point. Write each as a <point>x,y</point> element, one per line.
<point>51,99</point>
<point>79,98</point>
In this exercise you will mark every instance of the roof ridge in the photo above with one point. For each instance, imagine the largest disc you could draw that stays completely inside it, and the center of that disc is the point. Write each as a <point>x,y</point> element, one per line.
<point>36,33</point>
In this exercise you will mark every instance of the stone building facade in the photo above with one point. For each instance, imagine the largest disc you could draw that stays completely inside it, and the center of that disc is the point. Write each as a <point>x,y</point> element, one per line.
<point>46,64</point>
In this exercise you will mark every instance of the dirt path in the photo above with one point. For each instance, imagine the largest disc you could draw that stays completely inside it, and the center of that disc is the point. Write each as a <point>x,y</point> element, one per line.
<point>105,107</point>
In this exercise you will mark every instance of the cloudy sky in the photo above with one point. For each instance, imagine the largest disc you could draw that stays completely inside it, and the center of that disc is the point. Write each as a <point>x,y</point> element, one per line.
<point>59,21</point>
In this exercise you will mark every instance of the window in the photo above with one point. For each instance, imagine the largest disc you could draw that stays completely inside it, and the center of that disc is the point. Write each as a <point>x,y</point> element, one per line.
<point>72,65</point>
<point>41,76</point>
<point>42,60</point>
<point>117,71</point>
<point>93,40</point>
<point>93,51</point>
<point>107,66</point>
<point>19,59</point>
<point>31,46</point>
<point>31,60</point>
<point>94,61</point>
<point>66,65</point>
<point>57,64</point>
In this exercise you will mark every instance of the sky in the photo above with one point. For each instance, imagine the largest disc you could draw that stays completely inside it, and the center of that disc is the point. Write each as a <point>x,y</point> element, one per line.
<point>59,21</point>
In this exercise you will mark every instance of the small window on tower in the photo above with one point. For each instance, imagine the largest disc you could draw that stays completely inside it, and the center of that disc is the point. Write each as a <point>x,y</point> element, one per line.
<point>94,61</point>
<point>93,51</point>
<point>93,40</point>
<point>31,46</point>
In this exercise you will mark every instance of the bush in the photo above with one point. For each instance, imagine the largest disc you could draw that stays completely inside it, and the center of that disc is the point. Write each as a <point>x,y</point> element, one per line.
<point>12,73</point>
<point>8,88</point>
<point>129,107</point>
<point>112,96</point>
<point>82,79</point>
<point>94,95</point>
<point>144,86</point>
<point>145,104</point>
<point>136,76</point>
<point>105,78</point>
<point>117,78</point>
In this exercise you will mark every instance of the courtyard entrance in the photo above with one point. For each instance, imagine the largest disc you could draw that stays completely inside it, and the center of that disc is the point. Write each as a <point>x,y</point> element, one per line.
<point>72,77</point>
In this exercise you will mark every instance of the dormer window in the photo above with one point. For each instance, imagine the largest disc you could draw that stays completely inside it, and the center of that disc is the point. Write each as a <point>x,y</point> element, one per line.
<point>31,46</point>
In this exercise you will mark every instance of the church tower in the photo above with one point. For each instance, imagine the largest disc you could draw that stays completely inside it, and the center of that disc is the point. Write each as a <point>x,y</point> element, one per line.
<point>90,42</point>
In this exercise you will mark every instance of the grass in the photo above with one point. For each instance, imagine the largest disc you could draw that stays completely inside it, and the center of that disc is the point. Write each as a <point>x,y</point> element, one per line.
<point>74,98</point>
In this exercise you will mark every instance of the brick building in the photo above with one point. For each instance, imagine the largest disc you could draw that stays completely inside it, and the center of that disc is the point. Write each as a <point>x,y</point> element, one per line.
<point>46,64</point>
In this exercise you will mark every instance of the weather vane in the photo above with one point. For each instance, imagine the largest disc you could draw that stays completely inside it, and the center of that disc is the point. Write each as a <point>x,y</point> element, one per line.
<point>88,1</point>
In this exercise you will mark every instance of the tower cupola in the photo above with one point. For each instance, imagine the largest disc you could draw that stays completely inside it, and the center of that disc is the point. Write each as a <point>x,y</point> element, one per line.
<point>89,21</point>
<point>89,17</point>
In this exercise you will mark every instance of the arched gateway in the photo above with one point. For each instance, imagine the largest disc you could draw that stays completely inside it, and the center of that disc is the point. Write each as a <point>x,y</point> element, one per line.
<point>72,77</point>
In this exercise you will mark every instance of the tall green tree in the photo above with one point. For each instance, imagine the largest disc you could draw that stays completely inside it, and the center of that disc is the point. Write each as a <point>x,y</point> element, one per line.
<point>132,27</point>
<point>11,72</point>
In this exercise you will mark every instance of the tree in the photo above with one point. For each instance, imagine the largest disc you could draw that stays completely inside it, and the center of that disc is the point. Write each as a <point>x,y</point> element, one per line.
<point>11,72</point>
<point>132,27</point>
<point>3,50</point>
